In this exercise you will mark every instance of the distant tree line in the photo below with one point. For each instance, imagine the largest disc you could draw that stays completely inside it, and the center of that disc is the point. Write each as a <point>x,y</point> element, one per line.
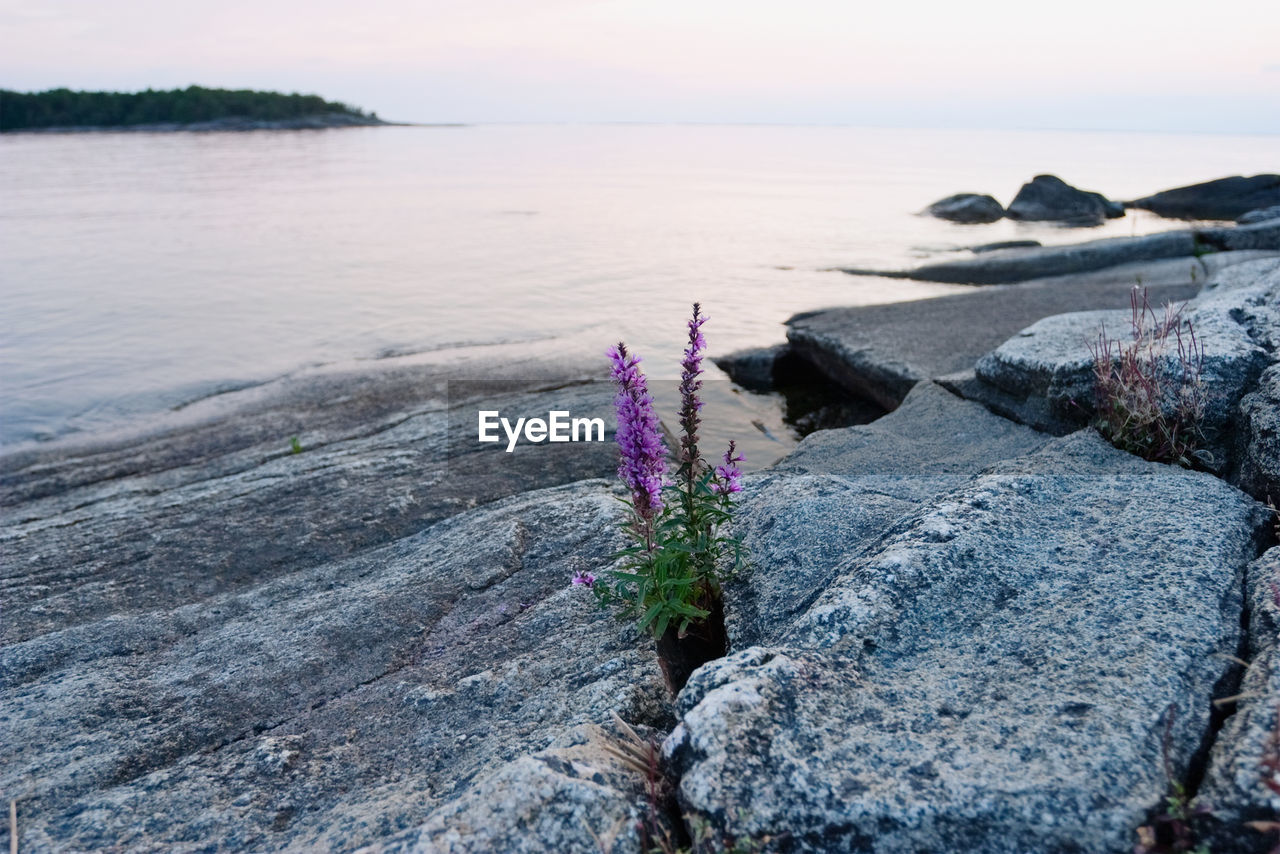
<point>65,108</point>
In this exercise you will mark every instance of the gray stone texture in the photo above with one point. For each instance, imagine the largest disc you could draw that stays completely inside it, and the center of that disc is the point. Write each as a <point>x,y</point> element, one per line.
<point>1233,788</point>
<point>840,490</point>
<point>575,797</point>
<point>992,676</point>
<point>330,706</point>
<point>1258,454</point>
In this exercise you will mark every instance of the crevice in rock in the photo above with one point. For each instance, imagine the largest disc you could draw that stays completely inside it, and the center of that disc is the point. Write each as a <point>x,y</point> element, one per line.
<point>1228,685</point>
<point>703,642</point>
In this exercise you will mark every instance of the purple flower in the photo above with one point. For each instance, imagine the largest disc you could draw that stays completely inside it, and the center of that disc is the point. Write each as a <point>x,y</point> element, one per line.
<point>690,370</point>
<point>728,476</point>
<point>583,578</point>
<point>644,456</point>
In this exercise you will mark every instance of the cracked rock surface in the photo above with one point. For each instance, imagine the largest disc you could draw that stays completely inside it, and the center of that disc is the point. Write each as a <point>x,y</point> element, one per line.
<point>1234,788</point>
<point>993,676</point>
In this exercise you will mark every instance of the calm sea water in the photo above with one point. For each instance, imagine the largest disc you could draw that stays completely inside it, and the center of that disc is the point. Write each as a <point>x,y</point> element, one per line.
<point>138,271</point>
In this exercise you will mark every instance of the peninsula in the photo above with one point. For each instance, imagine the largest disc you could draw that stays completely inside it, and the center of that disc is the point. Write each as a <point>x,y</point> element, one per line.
<point>193,108</point>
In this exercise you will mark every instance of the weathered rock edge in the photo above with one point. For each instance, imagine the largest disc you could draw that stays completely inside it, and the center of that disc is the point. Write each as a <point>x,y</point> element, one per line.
<point>1011,266</point>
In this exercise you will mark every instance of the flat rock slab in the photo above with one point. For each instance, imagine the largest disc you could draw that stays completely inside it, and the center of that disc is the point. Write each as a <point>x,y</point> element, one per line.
<point>1020,265</point>
<point>328,707</point>
<point>839,492</point>
<point>993,676</point>
<point>881,351</point>
<point>165,519</point>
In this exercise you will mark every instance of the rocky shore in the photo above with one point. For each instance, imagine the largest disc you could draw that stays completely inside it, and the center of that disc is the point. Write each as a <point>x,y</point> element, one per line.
<point>971,625</point>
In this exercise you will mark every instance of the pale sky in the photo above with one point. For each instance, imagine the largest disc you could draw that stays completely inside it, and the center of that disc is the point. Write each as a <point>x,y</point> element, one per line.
<point>1084,64</point>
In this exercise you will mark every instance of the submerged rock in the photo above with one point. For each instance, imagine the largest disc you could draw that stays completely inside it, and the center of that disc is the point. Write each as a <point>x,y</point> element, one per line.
<point>1223,198</point>
<point>967,208</point>
<point>1049,198</point>
<point>993,676</point>
<point>1010,266</point>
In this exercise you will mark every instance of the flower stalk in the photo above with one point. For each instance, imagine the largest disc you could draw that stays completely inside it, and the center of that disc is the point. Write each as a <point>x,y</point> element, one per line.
<point>670,576</point>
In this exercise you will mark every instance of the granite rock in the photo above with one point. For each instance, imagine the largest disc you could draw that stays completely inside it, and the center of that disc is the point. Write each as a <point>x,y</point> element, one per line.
<point>1050,364</point>
<point>994,675</point>
<point>882,351</point>
<point>839,491</point>
<point>330,706</point>
<point>575,797</point>
<point>1233,788</point>
<point>1258,454</point>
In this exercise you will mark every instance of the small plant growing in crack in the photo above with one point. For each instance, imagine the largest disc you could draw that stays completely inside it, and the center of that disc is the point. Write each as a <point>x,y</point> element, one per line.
<point>670,576</point>
<point>1150,397</point>
<point>1172,830</point>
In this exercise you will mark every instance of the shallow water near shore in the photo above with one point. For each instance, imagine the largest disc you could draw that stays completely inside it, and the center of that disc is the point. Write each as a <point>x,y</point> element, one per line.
<point>143,271</point>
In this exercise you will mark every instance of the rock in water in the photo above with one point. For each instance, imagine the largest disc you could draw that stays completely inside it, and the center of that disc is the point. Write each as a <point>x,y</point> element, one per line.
<point>1224,198</point>
<point>967,208</point>
<point>1048,198</point>
<point>994,676</point>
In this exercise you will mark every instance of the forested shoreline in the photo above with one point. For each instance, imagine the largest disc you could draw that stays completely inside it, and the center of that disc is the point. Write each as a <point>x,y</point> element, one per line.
<point>64,108</point>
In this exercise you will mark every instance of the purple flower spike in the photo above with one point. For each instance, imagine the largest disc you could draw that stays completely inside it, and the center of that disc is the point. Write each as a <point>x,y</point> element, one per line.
<point>690,370</point>
<point>582,578</point>
<point>729,476</point>
<point>639,436</point>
